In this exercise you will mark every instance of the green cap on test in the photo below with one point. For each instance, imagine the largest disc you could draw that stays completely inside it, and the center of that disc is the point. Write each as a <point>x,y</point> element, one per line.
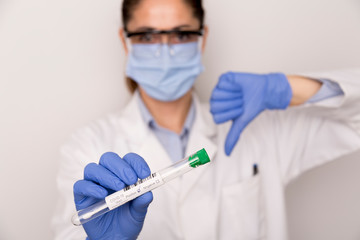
<point>201,157</point>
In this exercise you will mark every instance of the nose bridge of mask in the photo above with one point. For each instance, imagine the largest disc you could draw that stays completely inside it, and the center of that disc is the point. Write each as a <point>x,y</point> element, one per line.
<point>165,55</point>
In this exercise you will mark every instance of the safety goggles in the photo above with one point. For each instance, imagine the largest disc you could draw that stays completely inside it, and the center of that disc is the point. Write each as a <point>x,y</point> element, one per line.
<point>149,44</point>
<point>173,37</point>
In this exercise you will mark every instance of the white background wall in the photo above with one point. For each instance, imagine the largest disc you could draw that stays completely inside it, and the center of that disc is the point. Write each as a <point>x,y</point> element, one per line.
<point>61,66</point>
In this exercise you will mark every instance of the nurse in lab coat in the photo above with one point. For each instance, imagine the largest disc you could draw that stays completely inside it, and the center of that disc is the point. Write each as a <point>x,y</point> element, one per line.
<point>164,121</point>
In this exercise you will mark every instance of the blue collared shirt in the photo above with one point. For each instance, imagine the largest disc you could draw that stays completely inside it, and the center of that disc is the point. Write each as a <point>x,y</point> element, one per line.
<point>175,144</point>
<point>328,89</point>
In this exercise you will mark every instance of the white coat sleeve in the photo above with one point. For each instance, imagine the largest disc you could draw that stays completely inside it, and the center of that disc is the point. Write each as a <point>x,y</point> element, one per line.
<point>85,146</point>
<point>316,133</point>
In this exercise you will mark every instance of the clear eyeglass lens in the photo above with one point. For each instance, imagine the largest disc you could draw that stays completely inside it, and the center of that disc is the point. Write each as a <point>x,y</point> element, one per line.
<point>172,38</point>
<point>136,44</point>
<point>146,38</point>
<point>182,37</point>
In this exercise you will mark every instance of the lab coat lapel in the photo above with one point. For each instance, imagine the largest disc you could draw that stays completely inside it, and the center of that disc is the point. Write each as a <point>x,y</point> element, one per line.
<point>154,153</point>
<point>202,135</point>
<point>142,140</point>
<point>157,158</point>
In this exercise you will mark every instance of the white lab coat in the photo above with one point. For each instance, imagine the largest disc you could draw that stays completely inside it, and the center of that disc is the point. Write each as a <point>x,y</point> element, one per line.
<point>221,200</point>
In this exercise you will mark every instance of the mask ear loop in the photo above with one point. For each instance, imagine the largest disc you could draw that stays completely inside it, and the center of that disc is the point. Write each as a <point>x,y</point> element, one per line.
<point>128,45</point>
<point>200,44</point>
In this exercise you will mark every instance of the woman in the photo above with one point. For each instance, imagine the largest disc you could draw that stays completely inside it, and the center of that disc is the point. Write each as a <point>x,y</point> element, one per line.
<point>240,194</point>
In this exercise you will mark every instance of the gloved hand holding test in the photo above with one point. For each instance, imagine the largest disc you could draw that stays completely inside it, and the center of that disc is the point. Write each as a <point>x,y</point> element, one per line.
<point>142,186</point>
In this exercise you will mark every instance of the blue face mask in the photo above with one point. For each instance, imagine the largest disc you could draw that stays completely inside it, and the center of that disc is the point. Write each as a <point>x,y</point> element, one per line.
<point>165,73</point>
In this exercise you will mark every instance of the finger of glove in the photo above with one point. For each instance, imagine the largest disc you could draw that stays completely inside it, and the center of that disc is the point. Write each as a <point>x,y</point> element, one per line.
<point>224,106</point>
<point>234,135</point>
<point>226,116</point>
<point>119,167</point>
<point>84,188</point>
<point>139,205</point>
<point>229,84</point>
<point>221,94</point>
<point>102,176</point>
<point>138,164</point>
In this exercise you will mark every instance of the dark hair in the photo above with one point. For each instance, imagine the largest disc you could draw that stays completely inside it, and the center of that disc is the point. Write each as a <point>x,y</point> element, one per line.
<point>128,7</point>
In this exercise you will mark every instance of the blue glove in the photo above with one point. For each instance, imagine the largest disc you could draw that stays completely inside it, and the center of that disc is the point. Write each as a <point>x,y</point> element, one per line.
<point>113,174</point>
<point>240,97</point>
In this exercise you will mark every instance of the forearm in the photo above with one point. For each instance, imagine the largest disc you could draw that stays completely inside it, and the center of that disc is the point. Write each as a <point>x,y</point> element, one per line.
<point>302,88</point>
